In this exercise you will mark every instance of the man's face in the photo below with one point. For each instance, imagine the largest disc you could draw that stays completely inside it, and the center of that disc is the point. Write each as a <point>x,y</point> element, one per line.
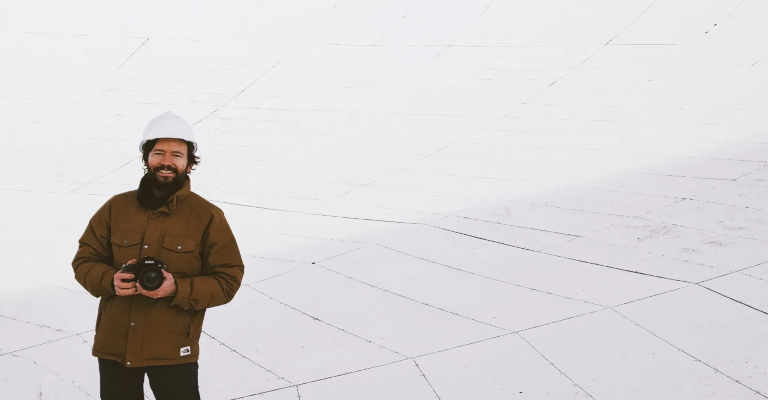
<point>167,162</point>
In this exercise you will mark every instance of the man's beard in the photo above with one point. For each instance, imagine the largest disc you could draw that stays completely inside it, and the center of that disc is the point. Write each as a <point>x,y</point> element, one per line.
<point>164,184</point>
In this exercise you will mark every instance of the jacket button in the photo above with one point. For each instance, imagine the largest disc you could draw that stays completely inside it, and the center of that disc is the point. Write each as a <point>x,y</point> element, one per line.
<point>125,241</point>
<point>145,246</point>
<point>131,323</point>
<point>178,247</point>
<point>128,363</point>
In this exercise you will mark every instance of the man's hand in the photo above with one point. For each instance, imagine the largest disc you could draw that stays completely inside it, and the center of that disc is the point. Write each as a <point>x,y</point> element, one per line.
<point>125,288</point>
<point>167,289</point>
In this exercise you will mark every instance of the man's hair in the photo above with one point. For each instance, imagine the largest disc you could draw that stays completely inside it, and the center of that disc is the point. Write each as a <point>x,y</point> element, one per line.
<point>192,159</point>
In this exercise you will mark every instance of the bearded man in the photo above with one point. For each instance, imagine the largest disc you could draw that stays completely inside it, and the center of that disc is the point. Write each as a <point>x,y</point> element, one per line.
<point>156,332</point>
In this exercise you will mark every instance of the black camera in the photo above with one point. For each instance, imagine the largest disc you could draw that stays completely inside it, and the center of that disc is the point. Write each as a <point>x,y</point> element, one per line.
<point>148,272</point>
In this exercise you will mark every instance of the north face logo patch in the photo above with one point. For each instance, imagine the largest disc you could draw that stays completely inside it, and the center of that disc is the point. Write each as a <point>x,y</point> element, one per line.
<point>185,351</point>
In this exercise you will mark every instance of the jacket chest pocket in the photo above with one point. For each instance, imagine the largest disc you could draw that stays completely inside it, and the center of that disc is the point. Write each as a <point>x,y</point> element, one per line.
<point>181,255</point>
<point>125,246</point>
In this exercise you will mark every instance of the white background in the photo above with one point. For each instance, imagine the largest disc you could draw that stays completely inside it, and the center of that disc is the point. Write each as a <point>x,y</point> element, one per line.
<point>502,199</point>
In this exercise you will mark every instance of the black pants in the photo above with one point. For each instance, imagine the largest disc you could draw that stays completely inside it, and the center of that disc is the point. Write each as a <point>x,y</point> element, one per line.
<point>168,382</point>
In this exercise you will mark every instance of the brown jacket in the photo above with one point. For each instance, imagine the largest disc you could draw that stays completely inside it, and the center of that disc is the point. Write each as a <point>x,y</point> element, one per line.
<point>194,240</point>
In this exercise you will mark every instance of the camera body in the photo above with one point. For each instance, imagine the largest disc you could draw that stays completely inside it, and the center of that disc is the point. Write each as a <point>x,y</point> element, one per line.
<point>148,272</point>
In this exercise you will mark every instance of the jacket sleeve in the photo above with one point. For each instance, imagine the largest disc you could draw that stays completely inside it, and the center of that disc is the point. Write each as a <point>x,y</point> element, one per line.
<point>93,261</point>
<point>222,269</point>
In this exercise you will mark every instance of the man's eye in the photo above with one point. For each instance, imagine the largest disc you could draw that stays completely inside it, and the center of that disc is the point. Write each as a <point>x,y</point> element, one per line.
<point>177,156</point>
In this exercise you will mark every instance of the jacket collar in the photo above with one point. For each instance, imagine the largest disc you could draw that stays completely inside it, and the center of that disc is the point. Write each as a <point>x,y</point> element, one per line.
<point>165,203</point>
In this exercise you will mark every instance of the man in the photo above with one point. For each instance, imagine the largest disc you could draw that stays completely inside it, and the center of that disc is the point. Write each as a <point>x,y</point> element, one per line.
<point>156,332</point>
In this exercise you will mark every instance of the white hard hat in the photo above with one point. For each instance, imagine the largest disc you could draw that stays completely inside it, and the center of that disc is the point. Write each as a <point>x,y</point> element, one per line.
<point>168,126</point>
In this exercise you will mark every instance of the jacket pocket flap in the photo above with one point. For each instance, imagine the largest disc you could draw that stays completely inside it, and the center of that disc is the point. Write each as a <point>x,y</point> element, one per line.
<point>126,238</point>
<point>178,245</point>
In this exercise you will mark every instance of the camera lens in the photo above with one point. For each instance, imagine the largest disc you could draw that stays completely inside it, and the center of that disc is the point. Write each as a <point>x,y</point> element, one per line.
<point>149,273</point>
<point>152,280</point>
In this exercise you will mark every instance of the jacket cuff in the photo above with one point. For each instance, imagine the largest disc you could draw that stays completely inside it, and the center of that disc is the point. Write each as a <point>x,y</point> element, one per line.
<point>183,291</point>
<point>108,282</point>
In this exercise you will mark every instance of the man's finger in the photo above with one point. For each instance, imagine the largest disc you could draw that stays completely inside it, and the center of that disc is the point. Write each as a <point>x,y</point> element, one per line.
<point>141,290</point>
<point>125,285</point>
<point>145,292</point>
<point>125,292</point>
